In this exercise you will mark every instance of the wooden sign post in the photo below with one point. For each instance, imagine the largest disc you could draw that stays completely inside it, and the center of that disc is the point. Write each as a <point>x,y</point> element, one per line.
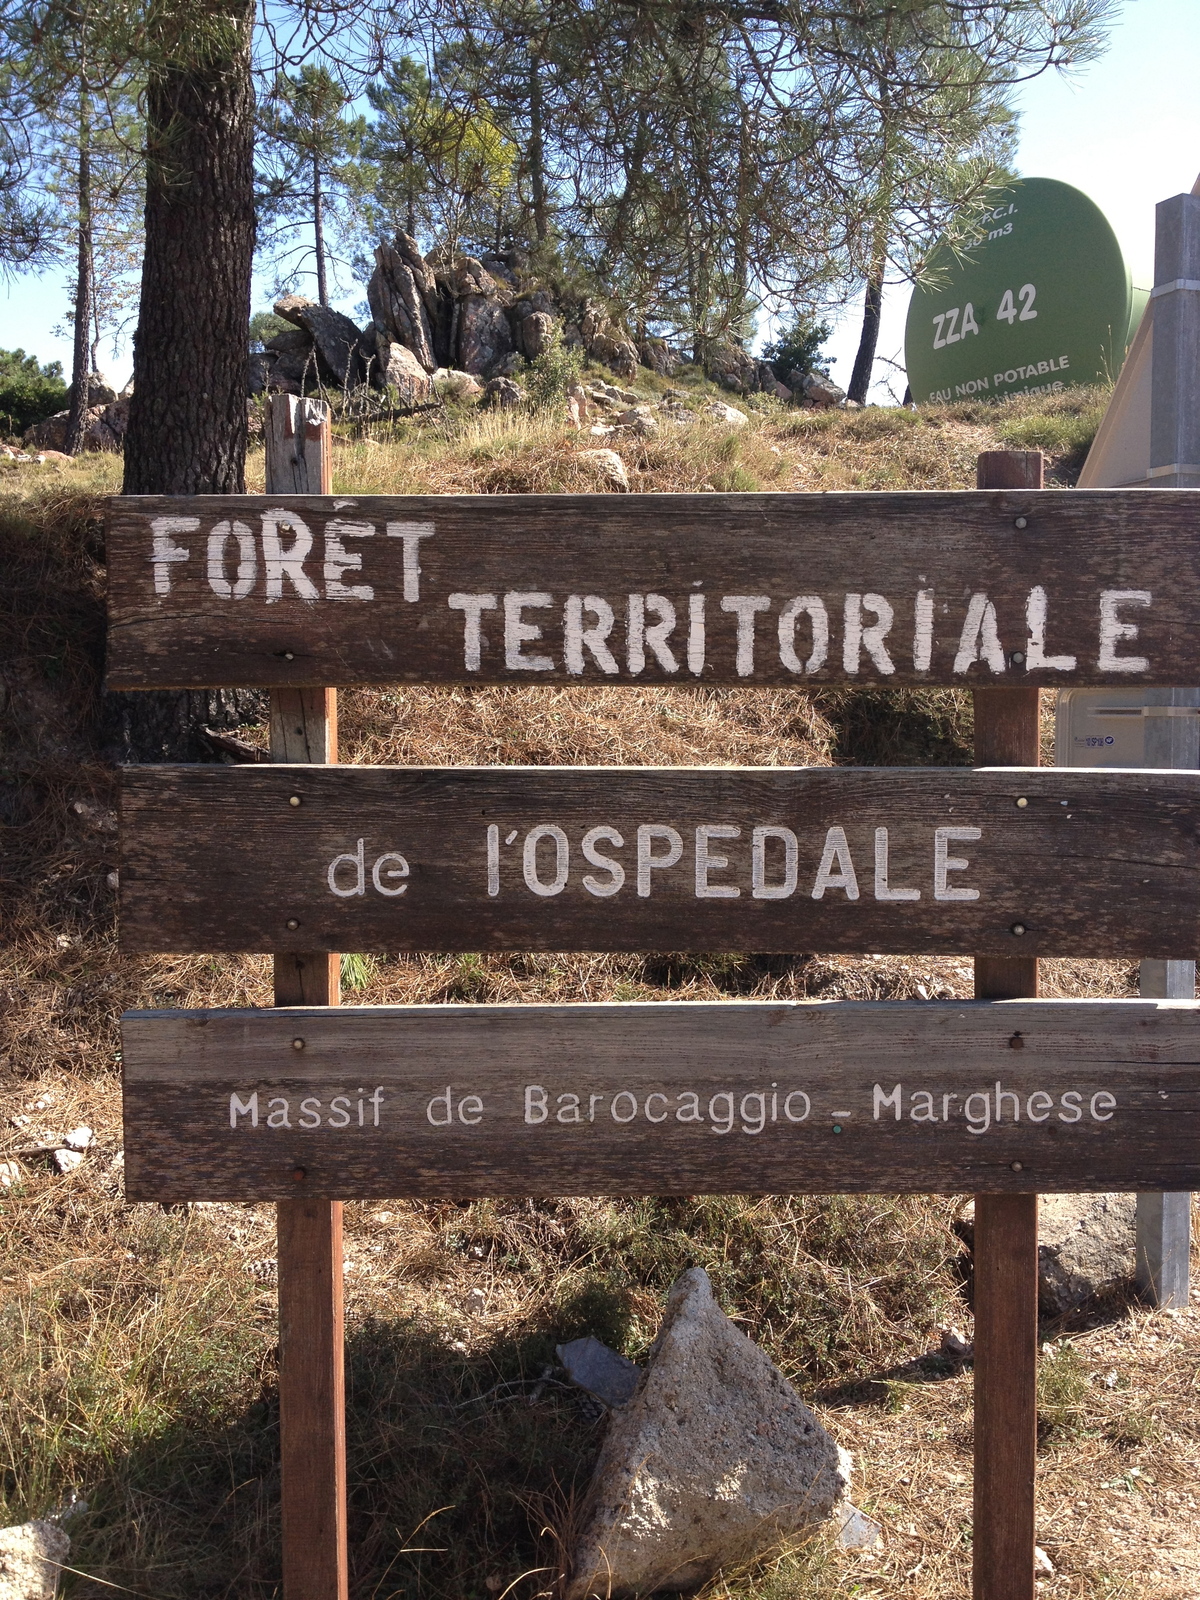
<point>312,1385</point>
<point>1001,590</point>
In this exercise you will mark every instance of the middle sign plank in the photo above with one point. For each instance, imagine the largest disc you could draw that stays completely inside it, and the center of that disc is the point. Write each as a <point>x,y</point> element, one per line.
<point>1004,861</point>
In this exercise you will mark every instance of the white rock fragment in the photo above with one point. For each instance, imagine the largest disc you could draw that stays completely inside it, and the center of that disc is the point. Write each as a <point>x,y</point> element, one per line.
<point>30,1557</point>
<point>606,1373</point>
<point>858,1531</point>
<point>715,1460</point>
<point>67,1160</point>
<point>79,1139</point>
<point>730,415</point>
<point>1042,1562</point>
<point>607,466</point>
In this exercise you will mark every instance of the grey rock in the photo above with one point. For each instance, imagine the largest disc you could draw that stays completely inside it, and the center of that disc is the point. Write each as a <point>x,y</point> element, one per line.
<point>606,1373</point>
<point>335,338</point>
<point>716,1460</point>
<point>502,393</point>
<point>403,296</point>
<point>30,1556</point>
<point>1085,1248</point>
<point>537,333</point>
<point>100,391</point>
<point>730,415</point>
<point>404,373</point>
<point>658,356</point>
<point>605,341</point>
<point>450,384</point>
<point>607,466</point>
<point>820,389</point>
<point>484,335</point>
<point>733,368</point>
<point>290,340</point>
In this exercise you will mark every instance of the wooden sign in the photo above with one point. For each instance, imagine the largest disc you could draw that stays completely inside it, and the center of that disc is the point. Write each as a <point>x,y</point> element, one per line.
<point>1007,861</point>
<point>896,1096</point>
<point>918,588</point>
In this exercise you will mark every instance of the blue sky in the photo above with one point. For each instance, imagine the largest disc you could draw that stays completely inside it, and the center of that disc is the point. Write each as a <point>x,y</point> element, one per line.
<point>1125,130</point>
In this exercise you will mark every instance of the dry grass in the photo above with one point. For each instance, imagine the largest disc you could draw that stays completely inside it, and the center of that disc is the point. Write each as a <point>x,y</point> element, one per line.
<point>139,1344</point>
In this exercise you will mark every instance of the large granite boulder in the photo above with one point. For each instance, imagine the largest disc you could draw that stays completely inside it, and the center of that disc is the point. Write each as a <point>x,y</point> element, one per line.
<point>714,1461</point>
<point>605,341</point>
<point>403,296</point>
<point>31,1556</point>
<point>335,338</point>
<point>405,374</point>
<point>1085,1248</point>
<point>484,334</point>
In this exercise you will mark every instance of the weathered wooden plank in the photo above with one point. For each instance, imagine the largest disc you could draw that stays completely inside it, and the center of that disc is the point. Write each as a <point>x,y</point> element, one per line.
<point>662,1099</point>
<point>1096,586</point>
<point>1052,862</point>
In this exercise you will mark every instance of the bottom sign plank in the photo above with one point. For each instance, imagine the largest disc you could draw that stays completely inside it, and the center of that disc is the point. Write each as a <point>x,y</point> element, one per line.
<point>427,1101</point>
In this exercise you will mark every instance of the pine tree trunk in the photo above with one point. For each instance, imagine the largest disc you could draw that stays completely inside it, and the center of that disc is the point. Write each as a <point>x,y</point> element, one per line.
<point>81,364</point>
<point>187,419</point>
<point>319,234</point>
<point>864,361</point>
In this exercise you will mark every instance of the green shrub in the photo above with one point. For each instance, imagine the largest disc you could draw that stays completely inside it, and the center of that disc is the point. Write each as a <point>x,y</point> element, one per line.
<point>798,349</point>
<point>553,372</point>
<point>29,392</point>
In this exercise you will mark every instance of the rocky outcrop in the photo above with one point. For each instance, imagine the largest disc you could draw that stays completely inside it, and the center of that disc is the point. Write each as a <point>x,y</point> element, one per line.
<point>714,1461</point>
<point>658,356</point>
<point>605,341</point>
<point>503,394</point>
<point>405,374</point>
<point>104,429</point>
<point>336,340</point>
<point>817,389</point>
<point>537,333</point>
<point>738,371</point>
<point>484,335</point>
<point>404,298</point>
<point>1085,1248</point>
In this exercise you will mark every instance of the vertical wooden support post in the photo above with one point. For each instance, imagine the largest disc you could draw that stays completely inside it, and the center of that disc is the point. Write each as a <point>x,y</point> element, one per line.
<point>312,1394</point>
<point>1006,734</point>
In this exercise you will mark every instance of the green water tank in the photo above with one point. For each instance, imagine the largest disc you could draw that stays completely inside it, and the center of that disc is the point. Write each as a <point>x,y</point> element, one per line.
<point>1040,301</point>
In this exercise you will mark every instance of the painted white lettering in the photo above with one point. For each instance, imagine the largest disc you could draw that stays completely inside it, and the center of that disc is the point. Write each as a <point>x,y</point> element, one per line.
<point>650,1117</point>
<point>745,606</point>
<point>600,887</point>
<point>857,637</point>
<point>695,645</point>
<point>280,1118</point>
<point>760,888</point>
<point>412,533</point>
<point>474,605</point>
<point>1035,651</point>
<point>894,1100</point>
<point>340,1108</point>
<point>592,1099</point>
<point>923,630</point>
<point>754,1120</point>
<point>577,638</point>
<point>882,889</point>
<point>536,1107</point>
<point>1102,1105</point>
<point>562,856</point>
<point>797,1094</point>
<point>640,638</point>
<point>164,552</point>
<point>726,1115</point>
<point>1039,1106</point>
<point>1072,1106</point>
<point>376,1100</point>
<point>339,561</point>
<point>310,1113</point>
<point>518,632</point>
<point>243,1108</point>
<point>686,1112</point>
<point>247,567</point>
<point>647,861</point>
<point>921,1107</point>
<point>980,640</point>
<point>470,1110</point>
<point>1113,630</point>
<point>623,1094</point>
<point>1001,1096</point>
<point>493,860</point>
<point>289,563</point>
<point>356,861</point>
<point>836,850</point>
<point>979,1120</point>
<point>399,870</point>
<point>443,1102</point>
<point>944,862</point>
<point>568,1108</point>
<point>812,607</point>
<point>706,863</point>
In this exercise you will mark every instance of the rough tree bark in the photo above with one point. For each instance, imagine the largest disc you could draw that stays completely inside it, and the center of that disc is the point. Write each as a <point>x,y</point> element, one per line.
<point>864,361</point>
<point>81,362</point>
<point>187,419</point>
<point>318,202</point>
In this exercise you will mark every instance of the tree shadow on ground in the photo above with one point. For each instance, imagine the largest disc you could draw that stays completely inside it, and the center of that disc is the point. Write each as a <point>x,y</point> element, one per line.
<point>459,1463</point>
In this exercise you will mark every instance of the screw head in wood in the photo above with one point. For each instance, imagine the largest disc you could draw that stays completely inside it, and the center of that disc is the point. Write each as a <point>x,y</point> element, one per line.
<point>1016,1042</point>
<point>1021,522</point>
<point>1022,802</point>
<point>297,1044</point>
<point>837,1127</point>
<point>1017,1167</point>
<point>1017,658</point>
<point>295,800</point>
<point>288,655</point>
<point>293,923</point>
<point>1017,928</point>
<point>299,1174</point>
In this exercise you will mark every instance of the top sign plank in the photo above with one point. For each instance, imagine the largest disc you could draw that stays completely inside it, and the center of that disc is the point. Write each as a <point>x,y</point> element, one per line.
<point>1052,588</point>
